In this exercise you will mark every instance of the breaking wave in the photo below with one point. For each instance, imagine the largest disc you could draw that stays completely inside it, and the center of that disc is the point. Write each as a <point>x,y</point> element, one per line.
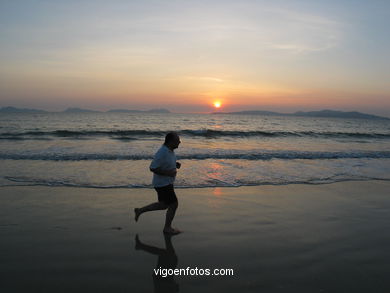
<point>286,155</point>
<point>210,133</point>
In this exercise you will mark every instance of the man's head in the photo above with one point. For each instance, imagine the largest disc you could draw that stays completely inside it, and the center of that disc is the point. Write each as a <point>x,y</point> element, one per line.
<point>172,140</point>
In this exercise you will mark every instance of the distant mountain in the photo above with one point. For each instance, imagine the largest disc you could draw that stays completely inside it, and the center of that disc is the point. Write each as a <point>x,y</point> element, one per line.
<point>139,111</point>
<point>338,114</point>
<point>20,110</point>
<point>78,110</point>
<point>322,113</point>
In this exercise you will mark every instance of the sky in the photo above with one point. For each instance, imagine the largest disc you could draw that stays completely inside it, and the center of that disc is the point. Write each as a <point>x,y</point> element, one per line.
<point>184,55</point>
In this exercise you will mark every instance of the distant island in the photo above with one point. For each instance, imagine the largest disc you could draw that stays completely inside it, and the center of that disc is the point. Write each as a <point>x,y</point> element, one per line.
<point>322,113</point>
<point>20,110</point>
<point>79,110</point>
<point>139,111</point>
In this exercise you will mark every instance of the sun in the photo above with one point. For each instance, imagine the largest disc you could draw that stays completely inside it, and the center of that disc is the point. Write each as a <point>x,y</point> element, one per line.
<point>217,104</point>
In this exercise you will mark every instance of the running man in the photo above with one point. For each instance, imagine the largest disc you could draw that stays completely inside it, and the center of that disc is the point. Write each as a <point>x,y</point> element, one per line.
<point>164,168</point>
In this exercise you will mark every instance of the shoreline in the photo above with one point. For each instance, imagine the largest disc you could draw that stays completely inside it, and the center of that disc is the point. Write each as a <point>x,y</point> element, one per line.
<point>197,187</point>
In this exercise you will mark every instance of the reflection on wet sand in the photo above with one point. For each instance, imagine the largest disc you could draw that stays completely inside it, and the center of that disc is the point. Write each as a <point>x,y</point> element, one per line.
<point>167,259</point>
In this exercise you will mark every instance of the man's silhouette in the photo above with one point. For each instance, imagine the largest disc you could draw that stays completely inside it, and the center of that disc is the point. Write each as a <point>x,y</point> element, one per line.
<point>164,168</point>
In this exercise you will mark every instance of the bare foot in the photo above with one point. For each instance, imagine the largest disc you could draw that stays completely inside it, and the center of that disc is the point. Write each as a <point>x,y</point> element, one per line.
<point>171,231</point>
<point>137,214</point>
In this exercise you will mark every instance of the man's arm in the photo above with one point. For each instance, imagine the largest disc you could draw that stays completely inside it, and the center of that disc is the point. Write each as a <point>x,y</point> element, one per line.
<point>159,171</point>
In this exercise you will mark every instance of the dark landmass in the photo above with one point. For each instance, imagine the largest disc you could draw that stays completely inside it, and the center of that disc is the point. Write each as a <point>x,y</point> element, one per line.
<point>124,111</point>
<point>322,113</point>
<point>338,114</point>
<point>20,110</point>
<point>79,110</point>
<point>139,111</point>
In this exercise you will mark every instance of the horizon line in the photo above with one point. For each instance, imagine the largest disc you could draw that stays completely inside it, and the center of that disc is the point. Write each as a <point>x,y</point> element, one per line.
<point>151,110</point>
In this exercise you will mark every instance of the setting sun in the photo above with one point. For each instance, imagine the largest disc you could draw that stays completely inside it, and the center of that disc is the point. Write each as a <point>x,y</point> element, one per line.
<point>217,104</point>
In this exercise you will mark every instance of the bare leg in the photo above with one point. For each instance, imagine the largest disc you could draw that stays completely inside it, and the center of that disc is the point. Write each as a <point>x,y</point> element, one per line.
<point>169,218</point>
<point>152,207</point>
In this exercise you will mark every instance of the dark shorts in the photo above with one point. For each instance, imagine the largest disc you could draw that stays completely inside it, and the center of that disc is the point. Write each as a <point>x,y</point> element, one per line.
<point>166,194</point>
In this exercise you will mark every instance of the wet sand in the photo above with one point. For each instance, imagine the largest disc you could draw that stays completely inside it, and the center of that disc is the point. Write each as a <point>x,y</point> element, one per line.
<point>292,238</point>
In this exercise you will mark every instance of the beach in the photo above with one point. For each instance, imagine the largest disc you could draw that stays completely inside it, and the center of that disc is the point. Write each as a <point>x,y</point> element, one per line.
<point>276,238</point>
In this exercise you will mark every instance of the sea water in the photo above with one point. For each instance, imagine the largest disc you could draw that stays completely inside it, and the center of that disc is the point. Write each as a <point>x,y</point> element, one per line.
<point>108,150</point>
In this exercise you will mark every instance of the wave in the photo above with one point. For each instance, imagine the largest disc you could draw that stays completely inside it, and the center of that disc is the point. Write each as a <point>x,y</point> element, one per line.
<point>222,133</point>
<point>23,181</point>
<point>285,155</point>
<point>210,133</point>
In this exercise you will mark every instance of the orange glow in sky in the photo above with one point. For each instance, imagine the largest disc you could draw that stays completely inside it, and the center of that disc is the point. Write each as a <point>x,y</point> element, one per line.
<point>193,56</point>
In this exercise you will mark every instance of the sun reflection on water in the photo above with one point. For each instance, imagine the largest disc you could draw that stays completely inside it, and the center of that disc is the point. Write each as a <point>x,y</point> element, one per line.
<point>217,191</point>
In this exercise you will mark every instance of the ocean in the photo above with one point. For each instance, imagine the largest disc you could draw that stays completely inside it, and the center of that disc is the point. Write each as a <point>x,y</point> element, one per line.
<point>111,150</point>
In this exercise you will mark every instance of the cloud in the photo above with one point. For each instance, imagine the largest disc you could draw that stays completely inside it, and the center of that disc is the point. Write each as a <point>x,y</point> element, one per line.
<point>300,32</point>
